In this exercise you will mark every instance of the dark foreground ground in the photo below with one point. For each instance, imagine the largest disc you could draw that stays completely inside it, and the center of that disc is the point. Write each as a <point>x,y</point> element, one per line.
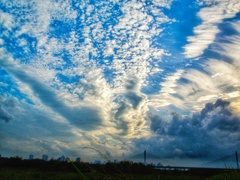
<point>18,169</point>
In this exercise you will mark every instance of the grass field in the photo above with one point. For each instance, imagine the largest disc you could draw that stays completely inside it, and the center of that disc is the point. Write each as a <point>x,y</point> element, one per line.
<point>18,169</point>
<point>34,174</point>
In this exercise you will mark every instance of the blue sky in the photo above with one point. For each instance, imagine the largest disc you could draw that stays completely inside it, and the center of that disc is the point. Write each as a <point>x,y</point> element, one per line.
<point>120,77</point>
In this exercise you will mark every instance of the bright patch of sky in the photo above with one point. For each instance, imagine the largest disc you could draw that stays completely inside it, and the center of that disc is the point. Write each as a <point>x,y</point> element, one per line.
<point>116,75</point>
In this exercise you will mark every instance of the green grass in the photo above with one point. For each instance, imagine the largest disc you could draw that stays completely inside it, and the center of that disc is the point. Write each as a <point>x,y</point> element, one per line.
<point>79,171</point>
<point>18,169</point>
<point>29,174</point>
<point>227,176</point>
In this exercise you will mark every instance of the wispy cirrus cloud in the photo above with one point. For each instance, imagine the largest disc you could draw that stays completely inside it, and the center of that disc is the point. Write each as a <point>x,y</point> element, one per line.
<point>211,16</point>
<point>82,117</point>
<point>214,77</point>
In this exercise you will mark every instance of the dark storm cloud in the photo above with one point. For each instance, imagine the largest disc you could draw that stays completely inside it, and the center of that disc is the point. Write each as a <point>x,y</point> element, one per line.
<point>214,130</point>
<point>84,117</point>
<point>210,107</point>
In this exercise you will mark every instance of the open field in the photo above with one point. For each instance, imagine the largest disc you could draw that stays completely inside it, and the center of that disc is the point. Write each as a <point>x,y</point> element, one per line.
<point>15,169</point>
<point>29,174</point>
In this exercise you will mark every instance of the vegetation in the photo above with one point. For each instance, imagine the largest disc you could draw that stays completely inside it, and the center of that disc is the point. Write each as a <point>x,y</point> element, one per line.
<point>225,176</point>
<point>16,168</point>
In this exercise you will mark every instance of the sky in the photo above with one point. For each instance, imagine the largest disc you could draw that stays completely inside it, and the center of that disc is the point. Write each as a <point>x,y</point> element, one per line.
<point>121,77</point>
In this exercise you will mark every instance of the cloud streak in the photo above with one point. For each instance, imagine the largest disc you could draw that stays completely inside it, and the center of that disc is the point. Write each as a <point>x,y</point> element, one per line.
<point>83,117</point>
<point>6,109</point>
<point>205,33</point>
<point>205,80</point>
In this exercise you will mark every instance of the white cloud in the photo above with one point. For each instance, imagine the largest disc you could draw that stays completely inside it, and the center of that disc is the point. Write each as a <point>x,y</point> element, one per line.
<point>163,3</point>
<point>200,87</point>
<point>231,48</point>
<point>214,79</point>
<point>6,20</point>
<point>133,58</point>
<point>1,41</point>
<point>168,87</point>
<point>116,99</point>
<point>205,33</point>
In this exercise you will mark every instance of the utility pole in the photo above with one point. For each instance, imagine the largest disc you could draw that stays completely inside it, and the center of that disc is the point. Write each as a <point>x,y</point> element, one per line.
<point>237,159</point>
<point>145,157</point>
